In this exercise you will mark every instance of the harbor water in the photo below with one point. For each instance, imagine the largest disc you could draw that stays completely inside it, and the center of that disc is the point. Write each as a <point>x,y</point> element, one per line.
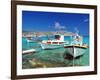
<point>51,58</point>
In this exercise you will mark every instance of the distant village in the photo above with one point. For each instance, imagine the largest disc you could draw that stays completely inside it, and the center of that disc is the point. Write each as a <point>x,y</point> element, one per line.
<point>40,34</point>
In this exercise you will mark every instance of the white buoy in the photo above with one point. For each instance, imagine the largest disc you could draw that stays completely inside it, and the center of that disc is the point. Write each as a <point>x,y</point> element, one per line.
<point>28,51</point>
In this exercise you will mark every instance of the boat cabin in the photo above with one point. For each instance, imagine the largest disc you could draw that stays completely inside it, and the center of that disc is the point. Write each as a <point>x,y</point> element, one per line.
<point>59,37</point>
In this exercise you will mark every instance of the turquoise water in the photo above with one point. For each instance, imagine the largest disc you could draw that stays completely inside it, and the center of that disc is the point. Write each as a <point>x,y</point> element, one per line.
<point>54,57</point>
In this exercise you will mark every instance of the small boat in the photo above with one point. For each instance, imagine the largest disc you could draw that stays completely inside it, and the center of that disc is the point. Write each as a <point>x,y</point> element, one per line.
<point>29,39</point>
<point>75,51</point>
<point>29,51</point>
<point>77,47</point>
<point>58,42</point>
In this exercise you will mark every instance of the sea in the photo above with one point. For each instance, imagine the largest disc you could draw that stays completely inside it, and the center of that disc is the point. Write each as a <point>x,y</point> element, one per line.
<point>51,58</point>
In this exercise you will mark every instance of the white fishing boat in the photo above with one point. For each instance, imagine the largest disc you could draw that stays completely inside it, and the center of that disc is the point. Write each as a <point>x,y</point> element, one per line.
<point>29,39</point>
<point>58,42</point>
<point>77,47</point>
<point>75,51</point>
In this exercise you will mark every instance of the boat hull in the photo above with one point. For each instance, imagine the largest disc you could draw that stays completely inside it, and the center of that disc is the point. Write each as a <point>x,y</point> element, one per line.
<point>29,40</point>
<point>75,51</point>
<point>50,46</point>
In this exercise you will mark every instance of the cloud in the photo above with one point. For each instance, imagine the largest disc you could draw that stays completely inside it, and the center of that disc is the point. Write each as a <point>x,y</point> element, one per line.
<point>86,20</point>
<point>76,29</point>
<point>58,26</point>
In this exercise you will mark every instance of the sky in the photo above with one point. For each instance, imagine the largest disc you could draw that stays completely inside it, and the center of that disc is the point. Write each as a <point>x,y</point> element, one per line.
<point>53,21</point>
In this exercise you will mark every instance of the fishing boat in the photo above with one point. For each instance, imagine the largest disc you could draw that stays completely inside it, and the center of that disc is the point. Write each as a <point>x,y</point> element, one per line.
<point>76,47</point>
<point>58,42</point>
<point>29,39</point>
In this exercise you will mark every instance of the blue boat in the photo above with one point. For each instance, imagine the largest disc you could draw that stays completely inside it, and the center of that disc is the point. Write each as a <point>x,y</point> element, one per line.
<point>76,47</point>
